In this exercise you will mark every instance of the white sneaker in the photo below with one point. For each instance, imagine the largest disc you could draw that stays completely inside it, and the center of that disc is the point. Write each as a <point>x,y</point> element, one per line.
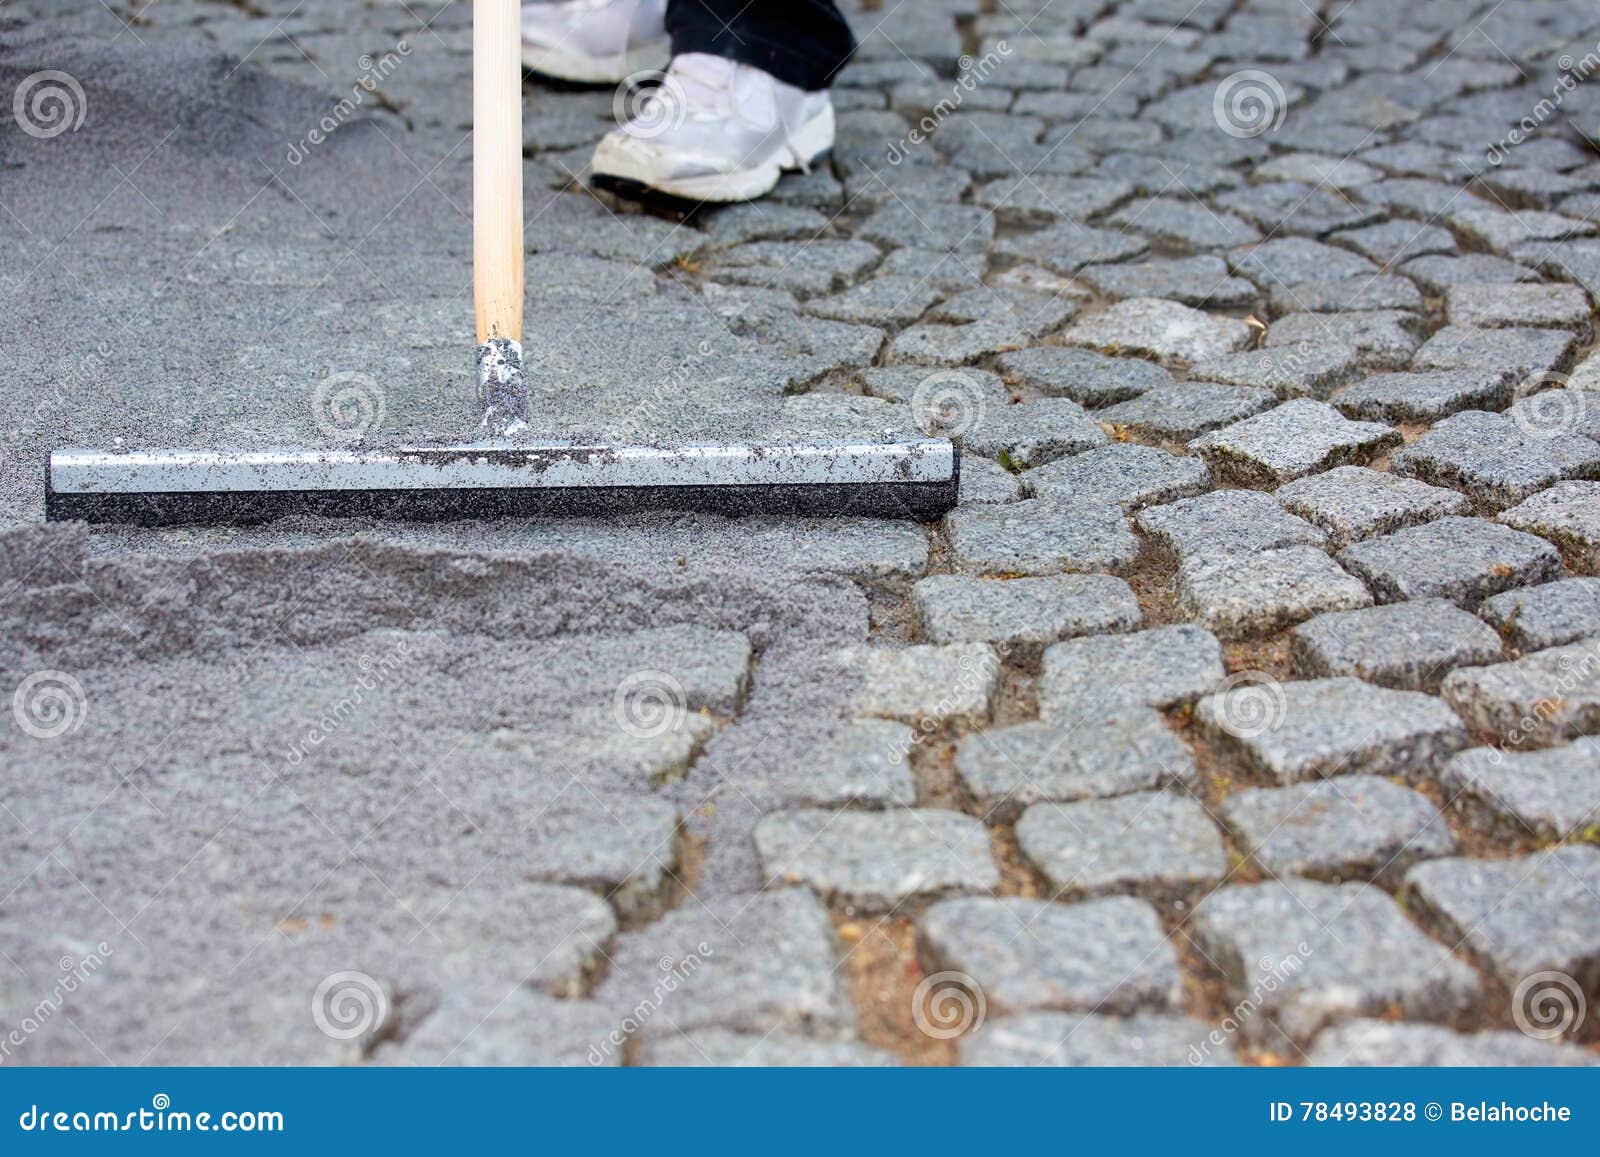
<point>716,130</point>
<point>595,41</point>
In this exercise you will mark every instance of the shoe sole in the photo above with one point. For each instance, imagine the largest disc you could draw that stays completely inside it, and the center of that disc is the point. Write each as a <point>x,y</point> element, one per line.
<point>575,68</point>
<point>621,173</point>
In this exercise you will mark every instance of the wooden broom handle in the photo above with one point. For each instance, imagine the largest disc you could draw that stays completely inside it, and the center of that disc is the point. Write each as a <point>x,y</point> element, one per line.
<point>497,168</point>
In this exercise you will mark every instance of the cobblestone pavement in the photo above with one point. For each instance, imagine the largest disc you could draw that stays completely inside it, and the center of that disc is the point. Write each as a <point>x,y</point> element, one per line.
<point>1239,713</point>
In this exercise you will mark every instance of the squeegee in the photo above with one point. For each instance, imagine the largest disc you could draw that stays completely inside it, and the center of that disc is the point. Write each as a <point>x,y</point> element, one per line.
<point>503,470</point>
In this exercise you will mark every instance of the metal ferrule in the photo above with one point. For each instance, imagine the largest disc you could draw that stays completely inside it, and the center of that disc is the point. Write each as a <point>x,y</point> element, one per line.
<point>502,391</point>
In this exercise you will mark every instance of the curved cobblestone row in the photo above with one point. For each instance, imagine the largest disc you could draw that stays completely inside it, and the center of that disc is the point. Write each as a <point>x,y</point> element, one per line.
<point>1239,713</point>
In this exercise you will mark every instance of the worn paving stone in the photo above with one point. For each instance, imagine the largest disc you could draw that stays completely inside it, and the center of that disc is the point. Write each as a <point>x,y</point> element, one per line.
<point>926,685</point>
<point>1351,503</point>
<point>1535,701</point>
<point>1539,913</point>
<point>1552,794</point>
<point>949,271</point>
<point>1461,559</point>
<point>827,415</point>
<point>1088,378</point>
<point>761,963</point>
<point>1226,521</point>
<point>1106,956</point>
<point>1501,230</point>
<point>808,267</point>
<point>1424,397</point>
<point>860,761</point>
<point>874,861</point>
<point>1547,615</point>
<point>1384,338</point>
<point>1517,351</point>
<point>1438,274</point>
<point>1068,247</point>
<point>1157,843</point>
<point>1347,295</point>
<point>1026,433</point>
<point>1164,330</point>
<point>960,391</point>
<point>1554,306</point>
<point>1386,1044</point>
<point>1241,596</point>
<point>1043,197</point>
<point>984,482</point>
<point>1295,371</point>
<point>935,225</point>
<point>1338,726</point>
<point>1021,616</point>
<point>933,344</point>
<point>1197,281</point>
<point>1186,222</point>
<point>1394,242</point>
<point>1353,827</point>
<point>1130,476</point>
<point>1032,313</point>
<point>1568,514</point>
<point>1493,457</point>
<point>1290,261</point>
<point>1337,951</point>
<point>1126,750</point>
<point>1296,208</point>
<point>1317,169</point>
<point>1069,1040</point>
<point>1289,441</point>
<point>718,1048</point>
<point>1409,645</point>
<point>1162,667</point>
<point>1038,536</point>
<point>878,301</point>
<point>1185,410</point>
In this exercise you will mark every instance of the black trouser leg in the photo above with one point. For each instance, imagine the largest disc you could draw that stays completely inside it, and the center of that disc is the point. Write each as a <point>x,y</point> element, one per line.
<point>801,42</point>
